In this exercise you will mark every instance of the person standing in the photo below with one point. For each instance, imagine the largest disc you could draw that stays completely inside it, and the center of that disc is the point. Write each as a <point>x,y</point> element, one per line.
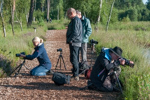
<point>74,39</point>
<point>86,32</point>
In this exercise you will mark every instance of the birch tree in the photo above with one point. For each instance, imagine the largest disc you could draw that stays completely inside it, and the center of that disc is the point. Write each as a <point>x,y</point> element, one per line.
<point>110,15</point>
<point>100,8</point>
<point>48,9</point>
<point>1,12</point>
<point>12,16</point>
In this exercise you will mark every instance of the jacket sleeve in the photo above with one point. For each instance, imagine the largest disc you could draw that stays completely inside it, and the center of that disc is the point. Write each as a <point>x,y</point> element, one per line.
<point>35,54</point>
<point>107,64</point>
<point>88,28</point>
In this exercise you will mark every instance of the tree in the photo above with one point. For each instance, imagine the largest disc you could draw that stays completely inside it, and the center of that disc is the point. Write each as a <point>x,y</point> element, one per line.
<point>1,12</point>
<point>31,13</point>
<point>48,9</point>
<point>110,15</point>
<point>12,15</point>
<point>100,8</point>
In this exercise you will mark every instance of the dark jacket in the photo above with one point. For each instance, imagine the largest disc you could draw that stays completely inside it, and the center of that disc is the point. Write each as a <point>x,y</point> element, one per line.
<point>101,68</point>
<point>74,32</point>
<point>41,55</point>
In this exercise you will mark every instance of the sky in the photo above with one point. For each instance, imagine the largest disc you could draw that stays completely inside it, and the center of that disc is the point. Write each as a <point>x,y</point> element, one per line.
<point>144,1</point>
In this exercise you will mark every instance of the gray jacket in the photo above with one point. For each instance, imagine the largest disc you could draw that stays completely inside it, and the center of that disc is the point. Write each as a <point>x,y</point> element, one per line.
<point>74,32</point>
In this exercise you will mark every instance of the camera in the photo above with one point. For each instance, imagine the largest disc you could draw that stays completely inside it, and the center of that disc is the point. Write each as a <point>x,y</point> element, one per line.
<point>18,55</point>
<point>93,41</point>
<point>60,49</point>
<point>127,62</point>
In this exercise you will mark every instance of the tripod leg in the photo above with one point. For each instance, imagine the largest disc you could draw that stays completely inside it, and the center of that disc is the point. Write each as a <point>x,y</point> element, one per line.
<point>57,62</point>
<point>64,63</point>
<point>60,62</point>
<point>27,67</point>
<point>16,70</point>
<point>118,83</point>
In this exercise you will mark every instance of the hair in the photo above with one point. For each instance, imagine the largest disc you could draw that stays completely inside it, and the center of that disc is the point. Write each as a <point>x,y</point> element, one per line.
<point>71,10</point>
<point>78,12</point>
<point>37,39</point>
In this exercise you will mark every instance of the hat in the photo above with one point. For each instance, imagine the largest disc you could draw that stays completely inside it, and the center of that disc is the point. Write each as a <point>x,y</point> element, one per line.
<point>117,50</point>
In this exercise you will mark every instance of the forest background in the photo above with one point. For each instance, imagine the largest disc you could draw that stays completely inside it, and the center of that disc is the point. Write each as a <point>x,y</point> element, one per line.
<point>124,23</point>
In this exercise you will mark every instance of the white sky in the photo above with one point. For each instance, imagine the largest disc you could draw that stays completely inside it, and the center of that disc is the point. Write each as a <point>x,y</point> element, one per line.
<point>144,1</point>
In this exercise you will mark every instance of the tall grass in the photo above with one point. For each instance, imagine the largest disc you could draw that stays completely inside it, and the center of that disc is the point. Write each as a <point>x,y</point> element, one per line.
<point>134,43</point>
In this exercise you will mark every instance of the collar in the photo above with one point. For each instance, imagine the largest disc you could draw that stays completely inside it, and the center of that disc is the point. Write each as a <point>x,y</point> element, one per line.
<point>107,55</point>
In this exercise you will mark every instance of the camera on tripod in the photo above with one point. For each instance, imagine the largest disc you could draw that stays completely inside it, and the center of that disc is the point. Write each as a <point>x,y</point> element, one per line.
<point>59,50</point>
<point>18,55</point>
<point>92,41</point>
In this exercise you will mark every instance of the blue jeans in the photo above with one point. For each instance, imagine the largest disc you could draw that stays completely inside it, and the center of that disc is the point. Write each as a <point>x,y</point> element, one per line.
<point>39,71</point>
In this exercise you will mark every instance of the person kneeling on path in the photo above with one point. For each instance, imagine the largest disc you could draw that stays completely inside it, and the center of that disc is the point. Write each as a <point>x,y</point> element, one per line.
<point>41,55</point>
<point>107,62</point>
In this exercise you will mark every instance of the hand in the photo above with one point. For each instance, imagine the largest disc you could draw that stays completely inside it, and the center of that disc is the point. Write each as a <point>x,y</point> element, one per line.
<point>22,55</point>
<point>131,64</point>
<point>122,61</point>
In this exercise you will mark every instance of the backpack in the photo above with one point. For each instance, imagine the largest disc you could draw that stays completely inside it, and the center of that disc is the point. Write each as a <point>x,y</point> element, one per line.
<point>83,66</point>
<point>88,73</point>
<point>60,78</point>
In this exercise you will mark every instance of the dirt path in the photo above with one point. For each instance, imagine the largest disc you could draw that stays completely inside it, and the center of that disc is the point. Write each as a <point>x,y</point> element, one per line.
<point>25,87</point>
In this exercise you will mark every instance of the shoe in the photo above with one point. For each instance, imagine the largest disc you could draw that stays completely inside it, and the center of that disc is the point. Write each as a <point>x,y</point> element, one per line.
<point>74,78</point>
<point>50,72</point>
<point>77,78</point>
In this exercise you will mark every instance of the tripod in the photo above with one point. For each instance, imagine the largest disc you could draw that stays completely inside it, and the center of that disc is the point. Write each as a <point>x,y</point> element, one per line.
<point>59,59</point>
<point>18,68</point>
<point>117,79</point>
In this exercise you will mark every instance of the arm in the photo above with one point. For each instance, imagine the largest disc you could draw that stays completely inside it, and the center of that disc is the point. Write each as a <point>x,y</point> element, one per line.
<point>109,65</point>
<point>34,55</point>
<point>88,28</point>
<point>76,28</point>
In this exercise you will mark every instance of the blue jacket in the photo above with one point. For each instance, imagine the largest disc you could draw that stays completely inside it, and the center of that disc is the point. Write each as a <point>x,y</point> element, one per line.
<point>74,32</point>
<point>86,29</point>
<point>41,55</point>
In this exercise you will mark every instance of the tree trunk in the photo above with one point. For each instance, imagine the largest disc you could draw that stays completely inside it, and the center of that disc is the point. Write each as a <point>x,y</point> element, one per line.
<point>100,8</point>
<point>12,16</point>
<point>48,7</point>
<point>35,5</point>
<point>110,15</point>
<point>20,22</point>
<point>31,13</point>
<point>58,13</point>
<point>3,25</point>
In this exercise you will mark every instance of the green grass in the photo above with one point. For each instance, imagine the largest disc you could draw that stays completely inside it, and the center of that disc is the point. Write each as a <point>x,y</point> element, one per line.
<point>58,24</point>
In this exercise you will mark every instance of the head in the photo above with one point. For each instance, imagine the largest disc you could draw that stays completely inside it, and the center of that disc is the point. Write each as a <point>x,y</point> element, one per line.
<point>36,41</point>
<point>78,14</point>
<point>71,13</point>
<point>115,53</point>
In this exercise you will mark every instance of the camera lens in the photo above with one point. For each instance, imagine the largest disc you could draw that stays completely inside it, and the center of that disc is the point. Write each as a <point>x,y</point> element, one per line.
<point>17,55</point>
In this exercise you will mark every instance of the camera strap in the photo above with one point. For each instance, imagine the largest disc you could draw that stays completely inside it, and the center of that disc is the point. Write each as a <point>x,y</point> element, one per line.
<point>101,72</point>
